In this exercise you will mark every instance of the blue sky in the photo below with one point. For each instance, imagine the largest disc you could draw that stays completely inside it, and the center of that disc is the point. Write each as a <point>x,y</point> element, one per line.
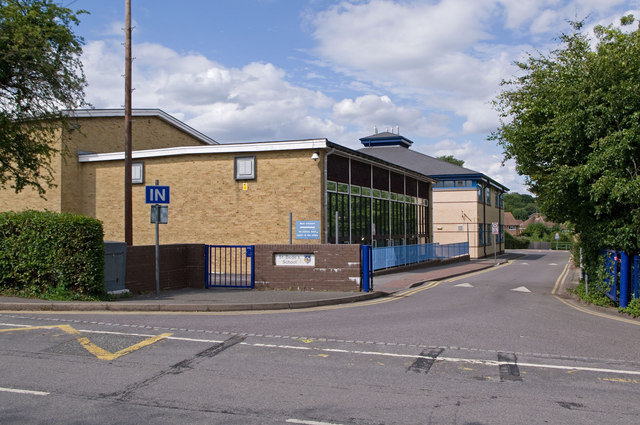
<point>258,70</point>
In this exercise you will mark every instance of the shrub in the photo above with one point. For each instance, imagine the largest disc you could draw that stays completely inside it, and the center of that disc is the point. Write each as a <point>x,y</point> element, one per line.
<point>511,242</point>
<point>51,255</point>
<point>595,295</point>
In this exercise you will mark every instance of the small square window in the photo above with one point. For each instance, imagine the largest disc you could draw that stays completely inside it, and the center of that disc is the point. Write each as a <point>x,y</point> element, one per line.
<point>137,173</point>
<point>245,167</point>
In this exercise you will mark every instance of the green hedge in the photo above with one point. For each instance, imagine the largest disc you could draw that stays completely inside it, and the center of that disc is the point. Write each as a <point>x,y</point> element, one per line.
<point>46,254</point>
<point>511,242</point>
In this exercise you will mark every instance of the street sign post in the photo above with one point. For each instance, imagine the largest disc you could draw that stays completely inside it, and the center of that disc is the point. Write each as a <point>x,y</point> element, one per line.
<point>159,198</point>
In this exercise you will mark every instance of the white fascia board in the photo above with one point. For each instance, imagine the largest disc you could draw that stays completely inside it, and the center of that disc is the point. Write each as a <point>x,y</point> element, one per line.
<point>211,149</point>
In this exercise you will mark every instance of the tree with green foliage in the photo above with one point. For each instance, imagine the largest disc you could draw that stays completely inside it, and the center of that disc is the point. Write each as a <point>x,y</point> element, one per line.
<point>571,121</point>
<point>536,231</point>
<point>451,159</point>
<point>522,206</point>
<point>40,76</point>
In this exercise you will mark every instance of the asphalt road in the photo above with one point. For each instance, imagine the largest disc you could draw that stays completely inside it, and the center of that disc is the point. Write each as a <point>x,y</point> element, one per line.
<point>496,347</point>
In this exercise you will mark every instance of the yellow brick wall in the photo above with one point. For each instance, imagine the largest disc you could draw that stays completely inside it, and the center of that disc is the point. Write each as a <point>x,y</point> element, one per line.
<point>29,198</point>
<point>100,134</point>
<point>449,225</point>
<point>207,204</point>
<point>106,134</point>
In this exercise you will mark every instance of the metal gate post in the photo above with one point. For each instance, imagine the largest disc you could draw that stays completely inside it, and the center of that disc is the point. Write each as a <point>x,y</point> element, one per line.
<point>207,267</point>
<point>636,276</point>
<point>610,268</point>
<point>367,271</point>
<point>251,253</point>
<point>624,279</point>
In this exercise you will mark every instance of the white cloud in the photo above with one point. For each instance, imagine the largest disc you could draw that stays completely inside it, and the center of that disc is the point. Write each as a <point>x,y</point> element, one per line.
<point>229,104</point>
<point>450,55</point>
<point>368,111</point>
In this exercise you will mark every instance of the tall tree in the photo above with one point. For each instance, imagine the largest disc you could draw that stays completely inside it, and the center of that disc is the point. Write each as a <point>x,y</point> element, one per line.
<point>571,121</point>
<point>451,159</point>
<point>40,76</point>
<point>521,206</point>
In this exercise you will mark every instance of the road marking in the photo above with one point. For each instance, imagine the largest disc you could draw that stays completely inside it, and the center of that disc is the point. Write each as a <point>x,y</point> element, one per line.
<point>621,380</point>
<point>99,352</point>
<point>521,289</point>
<point>569,369</point>
<point>67,328</point>
<point>17,391</point>
<point>464,285</point>
<point>598,314</point>
<point>561,279</point>
<point>299,421</point>
<point>103,354</point>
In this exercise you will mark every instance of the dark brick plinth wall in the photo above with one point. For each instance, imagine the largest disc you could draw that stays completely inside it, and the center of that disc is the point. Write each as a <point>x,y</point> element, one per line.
<point>337,268</point>
<point>181,266</point>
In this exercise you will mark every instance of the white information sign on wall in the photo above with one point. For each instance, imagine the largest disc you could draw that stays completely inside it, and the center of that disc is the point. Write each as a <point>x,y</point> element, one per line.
<point>295,260</point>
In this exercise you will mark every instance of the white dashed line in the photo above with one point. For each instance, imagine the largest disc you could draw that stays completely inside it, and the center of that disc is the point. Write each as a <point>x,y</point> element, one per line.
<point>28,392</point>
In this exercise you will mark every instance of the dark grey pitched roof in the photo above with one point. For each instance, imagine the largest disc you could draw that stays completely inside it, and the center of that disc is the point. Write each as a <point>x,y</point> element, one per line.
<point>417,161</point>
<point>424,164</point>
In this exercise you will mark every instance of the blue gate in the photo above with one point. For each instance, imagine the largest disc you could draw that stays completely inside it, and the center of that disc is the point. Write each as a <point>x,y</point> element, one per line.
<point>229,266</point>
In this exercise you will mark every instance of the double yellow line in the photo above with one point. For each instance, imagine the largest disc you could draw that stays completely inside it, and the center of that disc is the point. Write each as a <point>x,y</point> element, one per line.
<point>560,281</point>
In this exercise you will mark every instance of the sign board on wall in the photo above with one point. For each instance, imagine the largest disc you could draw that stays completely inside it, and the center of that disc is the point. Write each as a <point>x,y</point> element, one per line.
<point>308,229</point>
<point>295,260</point>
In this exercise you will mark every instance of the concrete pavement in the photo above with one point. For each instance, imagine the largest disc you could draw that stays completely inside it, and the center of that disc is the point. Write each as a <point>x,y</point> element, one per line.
<point>218,299</point>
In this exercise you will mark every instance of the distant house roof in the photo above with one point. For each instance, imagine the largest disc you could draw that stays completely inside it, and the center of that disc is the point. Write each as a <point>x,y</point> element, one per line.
<point>510,220</point>
<point>537,218</point>
<point>157,113</point>
<point>394,148</point>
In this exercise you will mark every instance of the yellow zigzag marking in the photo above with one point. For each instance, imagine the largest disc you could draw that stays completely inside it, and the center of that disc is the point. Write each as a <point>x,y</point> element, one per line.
<point>99,352</point>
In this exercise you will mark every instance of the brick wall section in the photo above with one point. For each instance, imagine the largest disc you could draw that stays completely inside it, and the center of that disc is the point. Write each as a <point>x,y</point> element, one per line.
<point>181,266</point>
<point>337,268</point>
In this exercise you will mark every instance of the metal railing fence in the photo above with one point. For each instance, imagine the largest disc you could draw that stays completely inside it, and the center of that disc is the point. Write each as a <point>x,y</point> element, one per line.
<point>402,255</point>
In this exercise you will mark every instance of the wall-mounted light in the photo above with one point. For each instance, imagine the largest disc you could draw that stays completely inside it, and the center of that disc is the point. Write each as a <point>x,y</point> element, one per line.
<point>315,156</point>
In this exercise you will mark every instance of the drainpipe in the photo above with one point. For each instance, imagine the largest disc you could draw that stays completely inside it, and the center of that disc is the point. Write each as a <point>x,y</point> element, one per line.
<point>325,196</point>
<point>484,219</point>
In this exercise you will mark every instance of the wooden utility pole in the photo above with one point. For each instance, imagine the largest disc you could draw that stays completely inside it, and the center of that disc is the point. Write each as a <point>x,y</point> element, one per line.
<point>128,210</point>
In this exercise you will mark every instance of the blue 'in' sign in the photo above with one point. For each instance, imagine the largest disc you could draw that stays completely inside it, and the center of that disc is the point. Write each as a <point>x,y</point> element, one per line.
<point>156,194</point>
